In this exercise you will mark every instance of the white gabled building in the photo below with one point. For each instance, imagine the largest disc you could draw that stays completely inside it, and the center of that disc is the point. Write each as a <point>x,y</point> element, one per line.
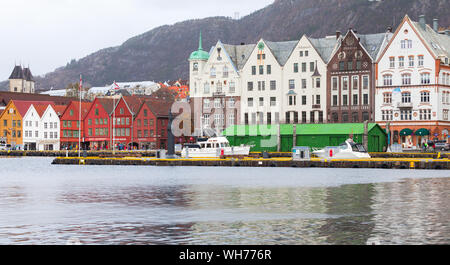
<point>215,84</point>
<point>413,84</point>
<point>41,128</point>
<point>262,83</point>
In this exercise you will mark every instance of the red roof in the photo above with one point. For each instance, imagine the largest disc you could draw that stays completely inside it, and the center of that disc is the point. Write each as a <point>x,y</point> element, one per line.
<point>40,109</point>
<point>134,102</point>
<point>159,107</point>
<point>59,109</point>
<point>85,106</point>
<point>23,106</point>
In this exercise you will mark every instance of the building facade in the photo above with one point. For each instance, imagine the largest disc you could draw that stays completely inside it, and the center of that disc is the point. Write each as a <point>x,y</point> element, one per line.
<point>351,77</point>
<point>21,80</point>
<point>413,84</point>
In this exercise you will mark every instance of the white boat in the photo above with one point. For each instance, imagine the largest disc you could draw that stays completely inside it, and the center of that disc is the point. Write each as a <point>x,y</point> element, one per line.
<point>347,150</point>
<point>213,147</point>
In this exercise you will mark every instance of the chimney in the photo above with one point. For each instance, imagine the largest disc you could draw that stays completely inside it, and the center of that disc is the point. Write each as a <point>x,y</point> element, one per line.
<point>436,24</point>
<point>422,21</point>
<point>389,29</point>
<point>338,34</point>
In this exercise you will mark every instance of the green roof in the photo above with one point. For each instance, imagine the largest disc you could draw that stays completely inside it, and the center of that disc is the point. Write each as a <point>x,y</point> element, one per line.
<point>302,129</point>
<point>199,54</point>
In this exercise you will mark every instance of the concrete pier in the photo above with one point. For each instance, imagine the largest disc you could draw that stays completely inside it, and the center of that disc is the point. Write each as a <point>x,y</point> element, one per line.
<point>387,163</point>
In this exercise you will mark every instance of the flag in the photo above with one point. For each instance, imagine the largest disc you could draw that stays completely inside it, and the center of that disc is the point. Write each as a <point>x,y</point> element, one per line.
<point>116,86</point>
<point>81,83</point>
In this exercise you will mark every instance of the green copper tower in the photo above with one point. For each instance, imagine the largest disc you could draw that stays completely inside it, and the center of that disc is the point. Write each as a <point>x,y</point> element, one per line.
<point>199,54</point>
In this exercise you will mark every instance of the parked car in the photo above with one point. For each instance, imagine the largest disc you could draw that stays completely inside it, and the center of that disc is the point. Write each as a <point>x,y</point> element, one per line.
<point>441,146</point>
<point>5,147</point>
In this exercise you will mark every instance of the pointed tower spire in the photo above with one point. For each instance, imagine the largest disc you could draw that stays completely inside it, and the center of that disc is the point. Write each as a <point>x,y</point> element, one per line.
<point>200,46</point>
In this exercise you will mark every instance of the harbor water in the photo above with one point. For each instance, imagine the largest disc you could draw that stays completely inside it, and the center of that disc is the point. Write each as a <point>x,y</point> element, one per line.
<point>42,203</point>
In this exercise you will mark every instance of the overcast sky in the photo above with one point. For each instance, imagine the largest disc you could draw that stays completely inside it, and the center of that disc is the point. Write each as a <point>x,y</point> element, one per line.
<point>46,34</point>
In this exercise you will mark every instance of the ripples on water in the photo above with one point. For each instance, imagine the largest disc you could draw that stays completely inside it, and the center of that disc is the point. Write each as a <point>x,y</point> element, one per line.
<point>45,204</point>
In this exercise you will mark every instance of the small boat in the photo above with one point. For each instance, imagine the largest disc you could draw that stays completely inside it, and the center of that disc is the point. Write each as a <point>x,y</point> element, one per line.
<point>347,150</point>
<point>213,147</point>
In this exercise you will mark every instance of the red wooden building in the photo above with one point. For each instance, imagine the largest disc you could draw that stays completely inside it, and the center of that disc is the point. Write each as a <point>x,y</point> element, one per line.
<point>97,125</point>
<point>70,124</point>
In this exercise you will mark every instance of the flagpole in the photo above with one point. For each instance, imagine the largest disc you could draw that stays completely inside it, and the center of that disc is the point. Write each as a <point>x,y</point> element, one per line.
<point>79,120</point>
<point>114,121</point>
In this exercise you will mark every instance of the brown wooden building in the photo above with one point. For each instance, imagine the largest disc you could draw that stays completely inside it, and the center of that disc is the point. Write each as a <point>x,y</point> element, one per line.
<point>351,77</point>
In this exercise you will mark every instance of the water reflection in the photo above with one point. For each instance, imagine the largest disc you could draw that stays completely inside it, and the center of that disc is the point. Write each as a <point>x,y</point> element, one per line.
<point>148,205</point>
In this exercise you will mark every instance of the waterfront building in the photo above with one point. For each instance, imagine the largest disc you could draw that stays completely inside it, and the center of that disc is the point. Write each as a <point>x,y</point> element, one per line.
<point>6,97</point>
<point>351,77</point>
<point>215,84</point>
<point>304,92</point>
<point>413,84</point>
<point>21,80</point>
<point>41,127</point>
<point>97,125</point>
<point>11,125</point>
<point>71,125</point>
<point>262,82</point>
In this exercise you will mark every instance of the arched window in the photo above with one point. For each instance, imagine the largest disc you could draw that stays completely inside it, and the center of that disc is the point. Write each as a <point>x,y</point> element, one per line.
<point>406,79</point>
<point>387,80</point>
<point>425,78</point>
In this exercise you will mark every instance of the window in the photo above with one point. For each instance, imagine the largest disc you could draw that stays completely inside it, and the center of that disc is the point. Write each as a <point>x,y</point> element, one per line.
<point>206,103</point>
<point>232,88</point>
<point>206,88</point>
<point>121,111</point>
<point>312,117</point>
<point>425,78</point>
<point>387,98</point>
<point>420,60</point>
<point>303,100</point>
<point>273,85</point>
<point>335,100</point>
<point>292,100</point>
<point>303,67</point>
<point>355,84</point>
<point>392,62</point>
<point>341,66</point>
<point>317,82</point>
<point>445,114</point>
<point>89,122</point>
<point>261,102</point>
<point>387,115</point>
<point>409,42</point>
<point>425,114</point>
<point>411,61</point>
<point>317,99</point>
<point>365,82</point>
<point>90,131</point>
<point>45,125</point>
<point>406,97</point>
<point>246,118</point>
<point>261,85</point>
<point>345,117</point>
<point>295,67</point>
<point>303,83</point>
<point>345,82</point>
<point>406,79</point>
<point>425,97</point>
<point>401,61</point>
<point>311,66</point>
<point>269,69</point>
<point>253,70</point>
<point>206,119</point>
<point>269,118</point>
<point>355,99</point>
<point>335,83</point>
<point>212,72</point>
<point>231,119</point>
<point>301,53</point>
<point>250,86</point>
<point>217,103</point>
<point>344,100</point>
<point>145,122</point>
<point>288,117</point>
<point>261,69</point>
<point>219,87</point>
<point>306,53</point>
<point>366,99</point>
<point>273,101</point>
<point>387,80</point>
<point>138,123</point>
<point>71,112</point>
<point>355,117</point>
<point>250,102</point>
<point>358,65</point>
<point>350,65</point>
<point>231,103</point>
<point>291,84</point>
<point>225,72</point>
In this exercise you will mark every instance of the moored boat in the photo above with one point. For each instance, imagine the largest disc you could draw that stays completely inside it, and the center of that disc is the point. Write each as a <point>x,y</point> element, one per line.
<point>347,150</point>
<point>213,147</point>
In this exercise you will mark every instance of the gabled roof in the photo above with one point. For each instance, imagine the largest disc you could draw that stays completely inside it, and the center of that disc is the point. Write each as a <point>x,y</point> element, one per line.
<point>438,43</point>
<point>239,54</point>
<point>22,106</point>
<point>160,108</point>
<point>373,43</point>
<point>40,108</point>
<point>59,109</point>
<point>107,104</point>
<point>134,103</point>
<point>282,50</point>
<point>85,106</point>
<point>324,46</point>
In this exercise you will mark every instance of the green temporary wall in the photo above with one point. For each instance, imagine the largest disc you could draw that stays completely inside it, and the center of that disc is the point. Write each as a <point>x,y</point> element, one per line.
<point>265,137</point>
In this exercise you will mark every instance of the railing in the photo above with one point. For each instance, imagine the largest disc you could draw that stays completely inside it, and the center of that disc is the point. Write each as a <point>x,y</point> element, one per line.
<point>218,94</point>
<point>405,105</point>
